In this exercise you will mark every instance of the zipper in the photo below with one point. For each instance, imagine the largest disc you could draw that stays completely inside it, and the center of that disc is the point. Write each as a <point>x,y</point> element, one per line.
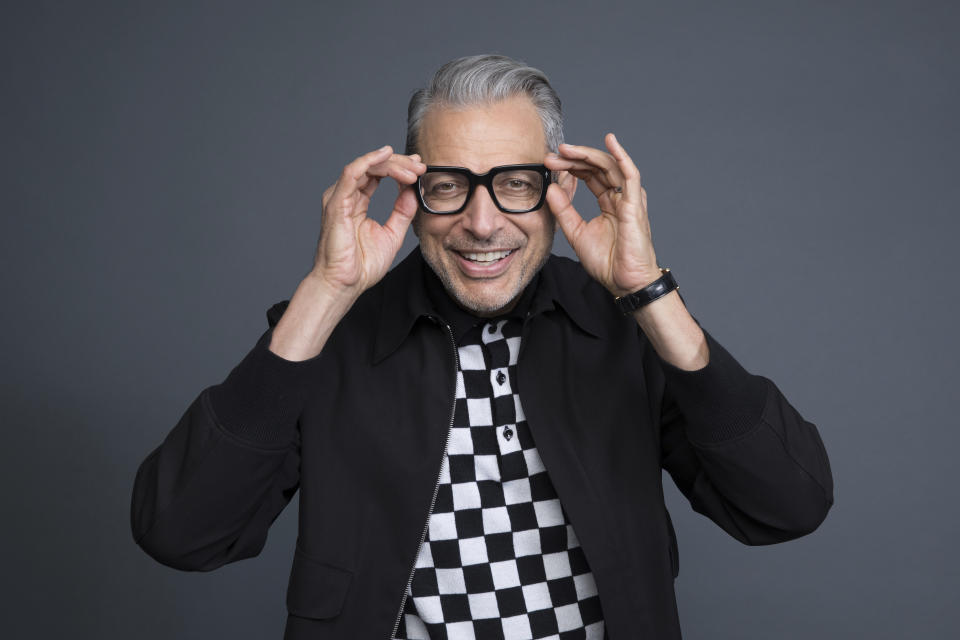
<point>436,487</point>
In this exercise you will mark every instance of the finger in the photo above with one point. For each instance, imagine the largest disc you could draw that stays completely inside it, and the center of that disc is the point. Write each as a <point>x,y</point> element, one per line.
<point>596,158</point>
<point>561,163</point>
<point>417,167</point>
<point>603,182</point>
<point>561,177</point>
<point>398,167</point>
<point>596,180</point>
<point>404,208</point>
<point>356,169</point>
<point>325,198</point>
<point>411,162</point>
<point>569,219</point>
<point>347,185</point>
<point>369,185</point>
<point>631,184</point>
<point>403,169</point>
<point>371,180</point>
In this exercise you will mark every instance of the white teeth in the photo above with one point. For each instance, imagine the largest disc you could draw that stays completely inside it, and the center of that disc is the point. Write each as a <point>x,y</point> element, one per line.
<point>489,256</point>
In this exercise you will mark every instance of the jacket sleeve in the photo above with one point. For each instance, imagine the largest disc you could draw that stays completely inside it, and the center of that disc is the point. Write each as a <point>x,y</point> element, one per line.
<point>740,453</point>
<point>209,492</point>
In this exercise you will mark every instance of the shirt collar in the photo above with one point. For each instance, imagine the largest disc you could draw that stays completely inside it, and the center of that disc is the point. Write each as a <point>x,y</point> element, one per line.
<point>460,319</point>
<point>411,290</point>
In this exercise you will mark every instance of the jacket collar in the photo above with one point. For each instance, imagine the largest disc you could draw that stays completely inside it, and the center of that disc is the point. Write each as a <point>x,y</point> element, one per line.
<point>403,302</point>
<point>405,299</point>
<point>564,286</point>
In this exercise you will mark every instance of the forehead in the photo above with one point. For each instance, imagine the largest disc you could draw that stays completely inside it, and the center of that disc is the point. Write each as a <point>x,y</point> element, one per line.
<point>483,136</point>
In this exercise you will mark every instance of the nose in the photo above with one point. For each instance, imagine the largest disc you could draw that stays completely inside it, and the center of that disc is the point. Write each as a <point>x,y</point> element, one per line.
<point>482,218</point>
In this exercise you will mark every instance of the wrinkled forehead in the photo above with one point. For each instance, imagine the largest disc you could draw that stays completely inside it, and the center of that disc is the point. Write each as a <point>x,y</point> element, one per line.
<point>483,136</point>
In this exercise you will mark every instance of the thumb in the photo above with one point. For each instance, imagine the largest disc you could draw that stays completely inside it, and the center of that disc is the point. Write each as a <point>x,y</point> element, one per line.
<point>569,219</point>
<point>404,208</point>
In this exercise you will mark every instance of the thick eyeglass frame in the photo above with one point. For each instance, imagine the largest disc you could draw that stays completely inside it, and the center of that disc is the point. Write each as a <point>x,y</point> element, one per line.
<point>486,179</point>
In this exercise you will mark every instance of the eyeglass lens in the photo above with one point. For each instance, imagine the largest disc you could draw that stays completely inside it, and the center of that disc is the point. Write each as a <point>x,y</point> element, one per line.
<point>517,189</point>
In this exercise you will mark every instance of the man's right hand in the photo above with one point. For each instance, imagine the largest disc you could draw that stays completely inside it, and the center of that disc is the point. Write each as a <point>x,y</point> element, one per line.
<point>354,252</point>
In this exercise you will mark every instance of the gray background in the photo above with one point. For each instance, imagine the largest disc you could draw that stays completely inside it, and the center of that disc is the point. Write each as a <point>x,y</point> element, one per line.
<point>162,171</point>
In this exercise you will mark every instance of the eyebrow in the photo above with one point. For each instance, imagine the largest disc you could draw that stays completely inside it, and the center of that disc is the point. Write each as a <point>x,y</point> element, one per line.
<point>480,173</point>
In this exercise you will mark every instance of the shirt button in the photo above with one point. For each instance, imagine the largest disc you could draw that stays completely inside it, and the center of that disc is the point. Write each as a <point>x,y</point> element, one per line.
<point>491,329</point>
<point>501,378</point>
<point>507,433</point>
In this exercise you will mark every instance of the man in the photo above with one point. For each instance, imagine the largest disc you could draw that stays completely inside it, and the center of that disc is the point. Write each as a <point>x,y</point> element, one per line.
<point>478,434</point>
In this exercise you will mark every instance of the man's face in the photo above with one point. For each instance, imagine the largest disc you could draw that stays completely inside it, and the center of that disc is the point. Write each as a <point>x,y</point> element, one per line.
<point>484,257</point>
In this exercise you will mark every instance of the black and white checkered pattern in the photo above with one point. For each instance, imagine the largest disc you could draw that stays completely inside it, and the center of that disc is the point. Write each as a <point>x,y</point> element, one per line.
<point>500,559</point>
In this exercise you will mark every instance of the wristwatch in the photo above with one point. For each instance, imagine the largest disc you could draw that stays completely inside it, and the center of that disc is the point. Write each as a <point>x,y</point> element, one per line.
<point>656,289</point>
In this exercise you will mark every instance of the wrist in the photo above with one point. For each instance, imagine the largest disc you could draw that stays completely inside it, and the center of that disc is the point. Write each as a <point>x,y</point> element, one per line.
<point>316,285</point>
<point>661,310</point>
<point>314,311</point>
<point>635,283</point>
<point>673,332</point>
<point>320,282</point>
<point>642,296</point>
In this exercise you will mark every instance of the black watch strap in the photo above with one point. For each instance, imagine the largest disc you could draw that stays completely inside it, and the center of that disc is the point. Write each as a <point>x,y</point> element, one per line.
<point>656,289</point>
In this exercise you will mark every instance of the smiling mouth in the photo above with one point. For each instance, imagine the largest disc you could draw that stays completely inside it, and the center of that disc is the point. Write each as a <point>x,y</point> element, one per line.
<point>486,257</point>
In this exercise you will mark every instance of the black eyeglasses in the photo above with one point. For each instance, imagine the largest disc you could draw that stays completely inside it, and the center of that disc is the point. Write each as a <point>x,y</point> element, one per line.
<point>514,188</point>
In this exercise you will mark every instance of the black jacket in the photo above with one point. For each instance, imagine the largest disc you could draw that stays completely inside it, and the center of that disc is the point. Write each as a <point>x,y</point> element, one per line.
<point>361,428</point>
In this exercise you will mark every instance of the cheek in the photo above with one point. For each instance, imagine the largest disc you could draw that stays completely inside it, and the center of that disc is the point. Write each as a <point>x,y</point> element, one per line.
<point>540,233</point>
<point>432,232</point>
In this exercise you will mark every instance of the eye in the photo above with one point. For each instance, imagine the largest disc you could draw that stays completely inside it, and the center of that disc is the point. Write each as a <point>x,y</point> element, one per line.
<point>518,183</point>
<point>442,187</point>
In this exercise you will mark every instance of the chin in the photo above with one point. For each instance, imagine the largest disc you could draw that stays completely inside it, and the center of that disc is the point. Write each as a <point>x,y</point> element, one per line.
<point>485,298</point>
<point>480,304</point>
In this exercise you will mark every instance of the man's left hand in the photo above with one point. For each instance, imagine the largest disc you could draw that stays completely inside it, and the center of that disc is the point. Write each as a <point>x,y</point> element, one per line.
<point>615,247</point>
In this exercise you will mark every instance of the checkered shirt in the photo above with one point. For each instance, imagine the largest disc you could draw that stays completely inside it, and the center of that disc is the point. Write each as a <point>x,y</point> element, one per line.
<point>500,559</point>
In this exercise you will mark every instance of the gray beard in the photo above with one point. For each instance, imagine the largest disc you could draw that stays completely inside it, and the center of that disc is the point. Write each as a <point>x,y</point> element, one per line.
<point>483,310</point>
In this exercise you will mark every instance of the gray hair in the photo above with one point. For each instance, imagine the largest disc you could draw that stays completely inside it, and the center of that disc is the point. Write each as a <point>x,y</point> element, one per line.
<point>482,79</point>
